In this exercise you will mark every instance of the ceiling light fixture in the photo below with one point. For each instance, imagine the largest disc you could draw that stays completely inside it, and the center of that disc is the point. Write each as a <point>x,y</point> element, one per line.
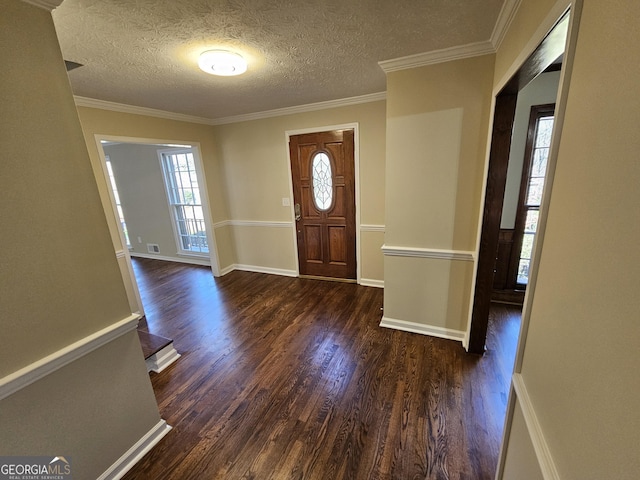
<point>222,62</point>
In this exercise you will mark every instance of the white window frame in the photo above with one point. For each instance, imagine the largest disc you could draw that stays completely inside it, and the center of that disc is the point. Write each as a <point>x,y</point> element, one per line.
<point>170,185</point>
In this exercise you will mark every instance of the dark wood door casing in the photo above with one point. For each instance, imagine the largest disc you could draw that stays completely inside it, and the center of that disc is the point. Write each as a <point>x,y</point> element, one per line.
<point>326,238</point>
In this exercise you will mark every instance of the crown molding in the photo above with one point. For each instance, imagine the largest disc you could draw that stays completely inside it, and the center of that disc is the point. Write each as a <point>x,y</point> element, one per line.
<point>149,112</point>
<point>310,107</point>
<point>437,56</point>
<point>45,4</point>
<point>505,17</point>
<point>152,112</point>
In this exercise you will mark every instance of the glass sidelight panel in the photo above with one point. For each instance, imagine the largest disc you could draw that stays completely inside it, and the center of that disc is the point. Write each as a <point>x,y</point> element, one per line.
<point>534,188</point>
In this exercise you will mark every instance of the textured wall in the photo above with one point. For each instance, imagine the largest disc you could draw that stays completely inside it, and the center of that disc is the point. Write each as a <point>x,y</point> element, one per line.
<point>60,281</point>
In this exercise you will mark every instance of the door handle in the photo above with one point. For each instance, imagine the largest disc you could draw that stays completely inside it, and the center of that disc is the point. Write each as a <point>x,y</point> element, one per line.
<point>296,209</point>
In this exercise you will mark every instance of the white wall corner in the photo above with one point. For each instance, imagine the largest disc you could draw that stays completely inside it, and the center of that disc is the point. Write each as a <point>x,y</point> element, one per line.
<point>505,17</point>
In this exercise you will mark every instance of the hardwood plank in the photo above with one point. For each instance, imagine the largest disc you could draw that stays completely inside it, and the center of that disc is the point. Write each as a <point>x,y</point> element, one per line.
<point>290,378</point>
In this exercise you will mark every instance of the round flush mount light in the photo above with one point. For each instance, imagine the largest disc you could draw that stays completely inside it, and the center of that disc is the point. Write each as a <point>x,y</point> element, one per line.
<point>222,62</point>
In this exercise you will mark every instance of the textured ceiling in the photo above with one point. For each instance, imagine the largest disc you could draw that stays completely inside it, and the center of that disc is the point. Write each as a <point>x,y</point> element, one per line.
<point>144,52</point>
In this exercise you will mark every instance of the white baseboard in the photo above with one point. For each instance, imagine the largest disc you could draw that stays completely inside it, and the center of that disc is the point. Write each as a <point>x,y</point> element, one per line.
<point>162,359</point>
<point>259,269</point>
<point>369,282</point>
<point>227,269</point>
<point>136,452</point>
<point>540,446</point>
<point>49,364</point>
<point>205,261</point>
<point>366,282</point>
<point>422,329</point>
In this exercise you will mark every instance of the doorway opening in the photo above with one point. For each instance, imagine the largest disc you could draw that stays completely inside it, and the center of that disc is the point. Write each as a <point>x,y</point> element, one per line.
<point>546,57</point>
<point>142,199</point>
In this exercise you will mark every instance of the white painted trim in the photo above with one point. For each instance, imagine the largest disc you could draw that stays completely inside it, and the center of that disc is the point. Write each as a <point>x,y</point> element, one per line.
<point>223,223</point>
<point>372,228</point>
<point>310,107</point>
<point>51,363</point>
<point>505,17</point>
<point>152,112</point>
<point>136,452</point>
<point>227,269</point>
<point>422,329</point>
<point>370,282</point>
<point>162,359</point>
<point>396,251</point>
<point>543,453</point>
<point>437,56</point>
<point>45,4</point>
<point>126,270</point>
<point>135,110</point>
<point>205,262</point>
<point>269,270</point>
<point>254,223</point>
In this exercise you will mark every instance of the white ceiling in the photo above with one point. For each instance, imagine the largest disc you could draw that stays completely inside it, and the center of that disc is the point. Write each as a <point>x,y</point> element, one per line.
<point>144,52</point>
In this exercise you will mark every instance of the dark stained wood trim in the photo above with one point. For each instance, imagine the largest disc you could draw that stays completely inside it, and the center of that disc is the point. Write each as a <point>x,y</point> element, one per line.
<point>505,110</point>
<point>549,52</point>
<point>503,258</point>
<point>537,111</point>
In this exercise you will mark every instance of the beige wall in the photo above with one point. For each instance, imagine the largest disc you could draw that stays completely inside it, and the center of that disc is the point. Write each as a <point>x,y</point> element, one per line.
<point>437,123</point>
<point>255,156</point>
<point>246,168</point>
<point>580,357</point>
<point>60,281</point>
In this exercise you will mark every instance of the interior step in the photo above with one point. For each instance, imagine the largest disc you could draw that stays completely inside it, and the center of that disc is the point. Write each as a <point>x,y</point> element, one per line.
<point>158,351</point>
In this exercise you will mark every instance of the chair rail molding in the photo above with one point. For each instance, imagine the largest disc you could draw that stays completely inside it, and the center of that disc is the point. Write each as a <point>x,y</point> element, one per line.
<point>402,251</point>
<point>49,364</point>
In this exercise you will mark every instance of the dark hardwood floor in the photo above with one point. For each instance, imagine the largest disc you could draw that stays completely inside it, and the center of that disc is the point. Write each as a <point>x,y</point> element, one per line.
<point>288,378</point>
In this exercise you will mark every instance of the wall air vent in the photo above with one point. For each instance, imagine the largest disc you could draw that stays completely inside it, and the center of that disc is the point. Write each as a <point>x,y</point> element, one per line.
<point>153,248</point>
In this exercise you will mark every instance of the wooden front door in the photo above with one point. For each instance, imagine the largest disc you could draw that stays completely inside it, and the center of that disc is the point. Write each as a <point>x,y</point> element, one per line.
<point>323,173</point>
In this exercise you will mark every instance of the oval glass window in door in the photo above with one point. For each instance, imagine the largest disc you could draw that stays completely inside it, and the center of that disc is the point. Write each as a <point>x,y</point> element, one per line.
<point>322,177</point>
